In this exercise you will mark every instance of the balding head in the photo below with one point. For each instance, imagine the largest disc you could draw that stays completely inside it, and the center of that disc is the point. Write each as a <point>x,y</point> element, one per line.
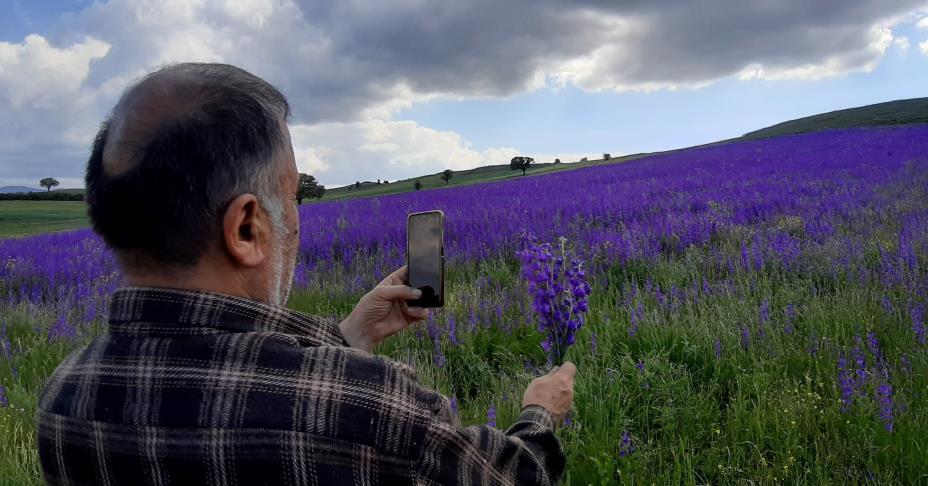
<point>178,147</point>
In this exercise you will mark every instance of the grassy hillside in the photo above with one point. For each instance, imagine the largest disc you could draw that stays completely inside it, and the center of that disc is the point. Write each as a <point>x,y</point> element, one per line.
<point>480,174</point>
<point>18,218</point>
<point>899,112</point>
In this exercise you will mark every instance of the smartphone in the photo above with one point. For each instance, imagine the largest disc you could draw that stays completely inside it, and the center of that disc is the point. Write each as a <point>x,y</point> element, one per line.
<point>425,257</point>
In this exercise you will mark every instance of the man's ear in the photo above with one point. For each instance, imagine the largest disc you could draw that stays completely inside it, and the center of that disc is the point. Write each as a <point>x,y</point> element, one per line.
<point>244,234</point>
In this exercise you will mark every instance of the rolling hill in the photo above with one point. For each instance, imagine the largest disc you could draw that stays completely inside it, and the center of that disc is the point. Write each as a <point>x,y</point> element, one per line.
<point>899,112</point>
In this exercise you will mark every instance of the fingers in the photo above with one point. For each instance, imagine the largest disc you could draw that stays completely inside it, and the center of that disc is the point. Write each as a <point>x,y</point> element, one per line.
<point>417,313</point>
<point>399,276</point>
<point>397,292</point>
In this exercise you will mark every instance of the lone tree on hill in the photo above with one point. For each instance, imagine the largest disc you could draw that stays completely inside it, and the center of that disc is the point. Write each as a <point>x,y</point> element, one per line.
<point>309,189</point>
<point>557,161</point>
<point>357,184</point>
<point>520,163</point>
<point>49,183</point>
<point>447,175</point>
<point>417,185</point>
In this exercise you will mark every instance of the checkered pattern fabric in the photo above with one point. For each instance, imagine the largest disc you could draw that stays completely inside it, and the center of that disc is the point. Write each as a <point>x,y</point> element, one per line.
<point>198,388</point>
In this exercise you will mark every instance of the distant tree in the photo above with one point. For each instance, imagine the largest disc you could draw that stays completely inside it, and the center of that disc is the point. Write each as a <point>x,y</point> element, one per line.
<point>447,175</point>
<point>378,182</point>
<point>386,181</point>
<point>583,159</point>
<point>520,163</point>
<point>49,183</point>
<point>309,189</point>
<point>607,156</point>
<point>357,185</point>
<point>417,185</point>
<point>557,161</point>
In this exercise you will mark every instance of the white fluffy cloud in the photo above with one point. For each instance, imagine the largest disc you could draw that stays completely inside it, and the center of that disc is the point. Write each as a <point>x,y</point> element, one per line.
<point>343,152</point>
<point>923,47</point>
<point>347,67</point>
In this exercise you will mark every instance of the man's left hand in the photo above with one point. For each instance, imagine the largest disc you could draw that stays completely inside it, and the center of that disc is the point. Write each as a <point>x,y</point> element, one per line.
<point>382,312</point>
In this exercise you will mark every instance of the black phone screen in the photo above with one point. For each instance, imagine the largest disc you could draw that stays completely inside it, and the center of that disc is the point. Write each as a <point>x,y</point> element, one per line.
<point>424,252</point>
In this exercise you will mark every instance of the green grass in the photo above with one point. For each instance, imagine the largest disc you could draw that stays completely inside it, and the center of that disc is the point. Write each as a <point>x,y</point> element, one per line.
<point>489,173</point>
<point>767,414</point>
<point>19,218</point>
<point>899,112</point>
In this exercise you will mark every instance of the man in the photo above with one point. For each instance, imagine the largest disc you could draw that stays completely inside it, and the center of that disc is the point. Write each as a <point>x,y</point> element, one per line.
<point>203,376</point>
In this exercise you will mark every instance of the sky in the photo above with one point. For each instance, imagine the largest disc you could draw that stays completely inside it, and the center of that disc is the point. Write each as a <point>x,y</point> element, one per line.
<point>392,89</point>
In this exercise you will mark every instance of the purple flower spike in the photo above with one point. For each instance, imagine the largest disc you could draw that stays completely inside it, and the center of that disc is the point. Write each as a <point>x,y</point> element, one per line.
<point>559,291</point>
<point>491,416</point>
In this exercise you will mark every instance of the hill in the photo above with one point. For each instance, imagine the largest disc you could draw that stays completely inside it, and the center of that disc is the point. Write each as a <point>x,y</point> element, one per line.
<point>18,189</point>
<point>486,173</point>
<point>899,112</point>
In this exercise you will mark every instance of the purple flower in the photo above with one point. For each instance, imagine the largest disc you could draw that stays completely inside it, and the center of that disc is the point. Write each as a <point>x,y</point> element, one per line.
<point>717,346</point>
<point>3,400</point>
<point>918,324</point>
<point>640,366</point>
<point>61,330</point>
<point>559,292</point>
<point>764,311</point>
<point>745,337</point>
<point>626,447</point>
<point>491,416</point>
<point>593,343</point>
<point>454,405</point>
<point>453,331</point>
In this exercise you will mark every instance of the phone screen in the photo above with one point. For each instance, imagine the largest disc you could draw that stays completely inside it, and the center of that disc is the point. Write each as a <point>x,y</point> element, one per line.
<point>424,253</point>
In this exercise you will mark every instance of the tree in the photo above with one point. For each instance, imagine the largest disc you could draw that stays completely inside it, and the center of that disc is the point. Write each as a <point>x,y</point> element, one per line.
<point>557,161</point>
<point>49,183</point>
<point>520,163</point>
<point>447,175</point>
<point>357,184</point>
<point>417,185</point>
<point>607,156</point>
<point>309,189</point>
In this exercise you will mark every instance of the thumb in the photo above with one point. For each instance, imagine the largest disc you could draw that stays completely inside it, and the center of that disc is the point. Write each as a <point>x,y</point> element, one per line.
<point>398,292</point>
<point>568,369</point>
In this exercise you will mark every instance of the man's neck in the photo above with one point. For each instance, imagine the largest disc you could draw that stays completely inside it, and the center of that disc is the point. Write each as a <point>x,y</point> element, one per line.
<point>203,278</point>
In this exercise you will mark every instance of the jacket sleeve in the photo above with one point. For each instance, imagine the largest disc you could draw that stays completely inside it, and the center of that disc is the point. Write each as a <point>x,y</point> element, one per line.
<point>527,453</point>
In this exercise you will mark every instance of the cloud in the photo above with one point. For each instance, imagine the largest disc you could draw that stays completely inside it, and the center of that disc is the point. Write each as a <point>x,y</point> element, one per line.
<point>902,43</point>
<point>922,22</point>
<point>340,153</point>
<point>351,65</point>
<point>923,47</point>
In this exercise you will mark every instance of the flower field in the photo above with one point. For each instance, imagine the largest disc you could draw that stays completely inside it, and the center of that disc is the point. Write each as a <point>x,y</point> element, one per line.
<point>755,310</point>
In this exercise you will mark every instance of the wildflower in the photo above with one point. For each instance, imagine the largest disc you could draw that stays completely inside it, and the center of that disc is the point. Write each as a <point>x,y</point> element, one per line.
<point>640,366</point>
<point>718,348</point>
<point>593,343</point>
<point>454,405</point>
<point>3,400</point>
<point>918,324</point>
<point>764,311</point>
<point>559,290</point>
<point>61,330</point>
<point>453,331</point>
<point>745,337</point>
<point>491,416</point>
<point>626,447</point>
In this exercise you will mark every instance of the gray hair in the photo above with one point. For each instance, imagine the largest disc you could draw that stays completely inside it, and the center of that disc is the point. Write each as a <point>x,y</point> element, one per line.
<point>181,144</point>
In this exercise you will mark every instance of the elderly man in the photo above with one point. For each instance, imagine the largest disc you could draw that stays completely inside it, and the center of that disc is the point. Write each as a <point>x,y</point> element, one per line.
<point>203,376</point>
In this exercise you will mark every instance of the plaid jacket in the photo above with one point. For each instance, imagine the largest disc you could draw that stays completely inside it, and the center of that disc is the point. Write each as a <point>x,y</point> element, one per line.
<point>199,388</point>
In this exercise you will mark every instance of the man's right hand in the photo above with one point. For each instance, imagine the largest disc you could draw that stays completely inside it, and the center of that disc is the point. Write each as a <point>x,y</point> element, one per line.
<point>554,391</point>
